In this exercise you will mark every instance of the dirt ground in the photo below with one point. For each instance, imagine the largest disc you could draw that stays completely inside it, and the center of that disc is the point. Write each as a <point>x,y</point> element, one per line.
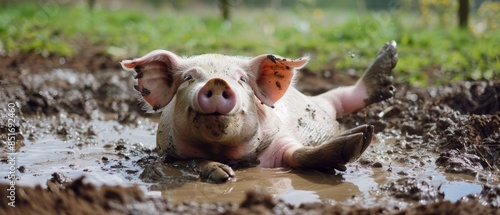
<point>459,123</point>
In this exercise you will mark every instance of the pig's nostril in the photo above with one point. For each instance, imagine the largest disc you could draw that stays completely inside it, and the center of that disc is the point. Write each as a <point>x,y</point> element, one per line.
<point>225,95</point>
<point>209,94</point>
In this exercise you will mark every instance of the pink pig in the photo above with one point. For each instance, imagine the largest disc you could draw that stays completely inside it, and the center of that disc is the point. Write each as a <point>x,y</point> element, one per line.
<point>223,111</point>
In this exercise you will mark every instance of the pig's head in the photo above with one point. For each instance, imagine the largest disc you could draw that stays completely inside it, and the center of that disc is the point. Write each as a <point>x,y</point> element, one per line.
<point>213,98</point>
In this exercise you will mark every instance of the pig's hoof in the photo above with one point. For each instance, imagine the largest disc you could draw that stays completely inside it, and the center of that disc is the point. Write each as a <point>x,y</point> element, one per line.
<point>351,148</point>
<point>215,172</point>
<point>335,154</point>
<point>367,131</point>
<point>378,77</point>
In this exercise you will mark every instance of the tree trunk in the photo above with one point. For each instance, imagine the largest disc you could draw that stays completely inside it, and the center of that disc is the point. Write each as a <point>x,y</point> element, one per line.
<point>463,13</point>
<point>224,6</point>
<point>91,4</point>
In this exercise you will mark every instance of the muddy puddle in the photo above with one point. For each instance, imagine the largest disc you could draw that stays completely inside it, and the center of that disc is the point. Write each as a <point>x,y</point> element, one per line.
<point>112,152</point>
<point>73,124</point>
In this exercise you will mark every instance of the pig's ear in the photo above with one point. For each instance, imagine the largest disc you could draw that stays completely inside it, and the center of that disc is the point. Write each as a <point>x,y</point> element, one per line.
<point>155,76</point>
<point>273,75</point>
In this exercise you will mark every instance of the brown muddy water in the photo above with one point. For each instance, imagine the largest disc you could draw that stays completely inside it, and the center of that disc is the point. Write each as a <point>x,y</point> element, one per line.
<point>431,145</point>
<point>110,155</point>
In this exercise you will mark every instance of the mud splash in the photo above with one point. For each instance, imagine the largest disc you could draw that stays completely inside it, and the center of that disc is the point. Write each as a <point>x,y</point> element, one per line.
<point>436,149</point>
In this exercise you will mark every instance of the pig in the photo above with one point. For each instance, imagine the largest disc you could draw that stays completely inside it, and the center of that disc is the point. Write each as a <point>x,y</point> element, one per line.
<point>220,112</point>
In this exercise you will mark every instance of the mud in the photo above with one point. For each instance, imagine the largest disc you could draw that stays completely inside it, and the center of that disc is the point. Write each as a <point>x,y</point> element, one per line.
<point>459,122</point>
<point>435,151</point>
<point>79,197</point>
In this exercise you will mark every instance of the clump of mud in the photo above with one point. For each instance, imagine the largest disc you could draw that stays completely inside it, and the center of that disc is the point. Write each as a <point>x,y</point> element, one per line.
<point>472,142</point>
<point>489,196</point>
<point>473,98</point>
<point>413,189</point>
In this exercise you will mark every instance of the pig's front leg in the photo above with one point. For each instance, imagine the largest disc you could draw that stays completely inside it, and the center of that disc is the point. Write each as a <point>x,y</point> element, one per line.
<point>214,172</point>
<point>210,171</point>
<point>332,155</point>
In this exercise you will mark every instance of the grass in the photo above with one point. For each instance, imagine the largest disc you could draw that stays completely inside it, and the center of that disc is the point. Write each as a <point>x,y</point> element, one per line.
<point>335,39</point>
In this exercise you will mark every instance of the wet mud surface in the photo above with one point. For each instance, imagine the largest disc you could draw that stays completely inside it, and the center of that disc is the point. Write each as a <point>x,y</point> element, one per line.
<point>83,143</point>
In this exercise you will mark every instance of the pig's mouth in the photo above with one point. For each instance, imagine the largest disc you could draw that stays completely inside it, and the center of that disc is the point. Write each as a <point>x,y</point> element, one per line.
<point>215,114</point>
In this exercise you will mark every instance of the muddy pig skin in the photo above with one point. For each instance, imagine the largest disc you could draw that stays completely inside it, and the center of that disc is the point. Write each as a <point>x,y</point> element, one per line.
<point>223,111</point>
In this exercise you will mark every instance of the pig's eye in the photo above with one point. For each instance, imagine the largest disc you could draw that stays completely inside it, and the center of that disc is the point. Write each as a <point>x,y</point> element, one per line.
<point>188,77</point>
<point>242,79</point>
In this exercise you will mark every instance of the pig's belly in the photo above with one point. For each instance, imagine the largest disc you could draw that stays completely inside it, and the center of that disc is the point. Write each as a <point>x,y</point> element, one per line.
<point>317,131</point>
<point>307,121</point>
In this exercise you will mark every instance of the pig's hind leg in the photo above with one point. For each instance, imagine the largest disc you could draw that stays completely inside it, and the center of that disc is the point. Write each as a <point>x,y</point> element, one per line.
<point>332,155</point>
<point>374,86</point>
<point>377,79</point>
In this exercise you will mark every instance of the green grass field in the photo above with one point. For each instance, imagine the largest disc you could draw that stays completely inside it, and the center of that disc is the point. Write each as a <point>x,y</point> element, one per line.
<point>335,39</point>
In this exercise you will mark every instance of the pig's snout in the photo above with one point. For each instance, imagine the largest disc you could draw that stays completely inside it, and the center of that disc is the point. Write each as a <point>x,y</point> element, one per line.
<point>216,97</point>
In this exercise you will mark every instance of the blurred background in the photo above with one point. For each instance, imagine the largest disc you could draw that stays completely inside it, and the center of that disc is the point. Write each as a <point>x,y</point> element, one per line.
<point>438,40</point>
